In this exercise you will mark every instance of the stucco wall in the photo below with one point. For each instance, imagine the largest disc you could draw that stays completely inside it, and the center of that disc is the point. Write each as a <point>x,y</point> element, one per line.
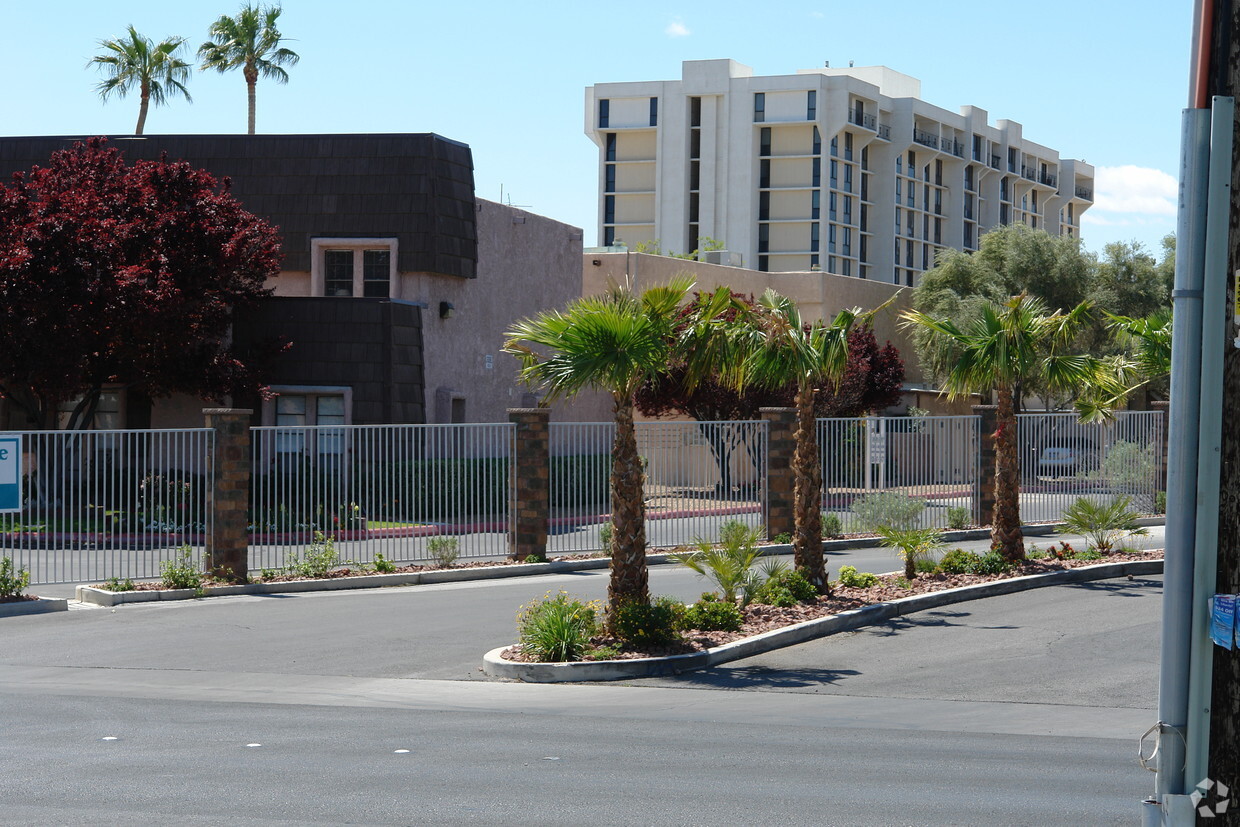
<point>819,295</point>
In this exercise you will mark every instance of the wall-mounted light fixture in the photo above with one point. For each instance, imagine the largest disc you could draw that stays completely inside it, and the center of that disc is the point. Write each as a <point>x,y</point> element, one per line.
<point>595,262</point>
<point>446,309</point>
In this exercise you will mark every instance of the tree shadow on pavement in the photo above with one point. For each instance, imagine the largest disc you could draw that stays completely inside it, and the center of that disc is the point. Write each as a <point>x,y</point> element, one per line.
<point>925,620</point>
<point>1137,587</point>
<point>762,677</point>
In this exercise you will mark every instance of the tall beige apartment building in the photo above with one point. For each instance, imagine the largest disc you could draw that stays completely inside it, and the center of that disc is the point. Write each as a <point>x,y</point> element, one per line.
<point>842,170</point>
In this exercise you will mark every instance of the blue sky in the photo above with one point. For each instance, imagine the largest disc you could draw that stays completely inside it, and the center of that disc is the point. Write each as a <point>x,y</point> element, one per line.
<point>1104,80</point>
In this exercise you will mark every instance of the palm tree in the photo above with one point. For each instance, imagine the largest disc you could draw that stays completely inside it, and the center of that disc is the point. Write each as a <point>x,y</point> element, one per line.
<point>136,61</point>
<point>1006,344</point>
<point>250,41</point>
<point>1148,342</point>
<point>783,350</point>
<point>614,343</point>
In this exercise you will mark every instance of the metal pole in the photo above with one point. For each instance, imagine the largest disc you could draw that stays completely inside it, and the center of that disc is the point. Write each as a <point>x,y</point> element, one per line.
<point>1182,454</point>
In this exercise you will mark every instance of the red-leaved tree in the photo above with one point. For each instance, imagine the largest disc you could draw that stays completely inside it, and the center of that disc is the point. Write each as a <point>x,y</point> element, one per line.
<point>123,274</point>
<point>872,381</point>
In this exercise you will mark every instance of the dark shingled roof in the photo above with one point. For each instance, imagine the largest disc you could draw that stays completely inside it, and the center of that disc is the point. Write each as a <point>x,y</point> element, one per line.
<point>418,188</point>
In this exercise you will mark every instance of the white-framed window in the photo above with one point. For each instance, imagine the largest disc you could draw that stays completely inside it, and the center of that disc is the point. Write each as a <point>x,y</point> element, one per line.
<point>309,420</point>
<point>109,412</point>
<point>345,267</point>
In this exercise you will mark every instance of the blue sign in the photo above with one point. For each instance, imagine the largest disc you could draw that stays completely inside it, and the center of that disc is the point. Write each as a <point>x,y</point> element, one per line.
<point>10,474</point>
<point>1223,620</point>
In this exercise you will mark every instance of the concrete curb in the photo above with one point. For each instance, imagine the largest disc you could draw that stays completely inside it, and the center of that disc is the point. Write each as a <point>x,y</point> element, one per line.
<point>34,607</point>
<point>610,670</point>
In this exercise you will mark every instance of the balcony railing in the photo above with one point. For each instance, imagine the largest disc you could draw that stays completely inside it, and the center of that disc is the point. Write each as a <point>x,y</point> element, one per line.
<point>861,119</point>
<point>884,131</point>
<point>1029,173</point>
<point>1085,193</point>
<point>1049,178</point>
<point>994,161</point>
<point>925,138</point>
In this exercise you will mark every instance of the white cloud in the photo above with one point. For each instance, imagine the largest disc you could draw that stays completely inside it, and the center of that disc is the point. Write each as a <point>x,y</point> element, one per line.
<point>676,29</point>
<point>1133,190</point>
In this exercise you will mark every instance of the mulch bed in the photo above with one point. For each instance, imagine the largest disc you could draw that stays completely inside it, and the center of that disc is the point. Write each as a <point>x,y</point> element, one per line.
<point>21,598</point>
<point>760,618</point>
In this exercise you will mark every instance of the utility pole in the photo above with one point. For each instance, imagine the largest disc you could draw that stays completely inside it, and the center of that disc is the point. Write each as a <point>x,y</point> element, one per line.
<point>1222,72</point>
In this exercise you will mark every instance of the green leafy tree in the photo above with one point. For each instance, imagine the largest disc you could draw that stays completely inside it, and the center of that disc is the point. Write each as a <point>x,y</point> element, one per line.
<point>249,42</point>
<point>155,70</point>
<point>780,349</point>
<point>1005,345</point>
<point>616,342</point>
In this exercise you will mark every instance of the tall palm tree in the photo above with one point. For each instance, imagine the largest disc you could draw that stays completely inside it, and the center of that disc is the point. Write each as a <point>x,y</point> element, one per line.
<point>1006,344</point>
<point>250,41</point>
<point>135,61</point>
<point>614,343</point>
<point>783,350</point>
<point>1148,342</point>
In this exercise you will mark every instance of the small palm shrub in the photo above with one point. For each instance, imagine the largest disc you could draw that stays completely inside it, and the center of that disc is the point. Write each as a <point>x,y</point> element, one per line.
<point>785,587</point>
<point>912,545</point>
<point>1103,524</point>
<point>851,578</point>
<point>712,616</point>
<point>648,624</point>
<point>556,629</point>
<point>728,564</point>
<point>887,508</point>
<point>958,517</point>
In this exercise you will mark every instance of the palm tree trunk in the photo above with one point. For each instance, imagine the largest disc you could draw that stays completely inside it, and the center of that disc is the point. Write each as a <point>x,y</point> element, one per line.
<point>629,574</point>
<point>807,493</point>
<point>1005,534</point>
<point>250,86</point>
<point>144,100</point>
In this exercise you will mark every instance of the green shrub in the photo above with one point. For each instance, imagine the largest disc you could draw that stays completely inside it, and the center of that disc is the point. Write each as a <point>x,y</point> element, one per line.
<point>115,584</point>
<point>926,565</point>
<point>443,550</point>
<point>887,508</point>
<point>534,558</point>
<point>319,559</point>
<point>1103,524</point>
<point>556,629</point>
<point>646,624</point>
<point>382,564</point>
<point>831,525</point>
<point>13,581</point>
<point>181,573</point>
<point>728,564</point>
<point>1132,467</point>
<point>713,616</point>
<point>851,578</point>
<point>1160,502</point>
<point>784,582</point>
<point>992,562</point>
<point>610,652</point>
<point>782,537</point>
<point>959,561</point>
<point>912,545</point>
<point>958,517</point>
<point>605,532</point>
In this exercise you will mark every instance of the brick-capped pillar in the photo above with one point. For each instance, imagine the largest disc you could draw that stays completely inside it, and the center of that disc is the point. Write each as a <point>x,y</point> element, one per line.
<point>229,473</point>
<point>1165,425</point>
<point>986,462</point>
<point>781,426</point>
<point>529,491</point>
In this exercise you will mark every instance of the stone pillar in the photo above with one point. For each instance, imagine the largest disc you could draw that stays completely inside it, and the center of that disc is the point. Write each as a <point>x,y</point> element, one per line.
<point>986,462</point>
<point>228,541</point>
<point>1165,409</point>
<point>781,425</point>
<point>529,489</point>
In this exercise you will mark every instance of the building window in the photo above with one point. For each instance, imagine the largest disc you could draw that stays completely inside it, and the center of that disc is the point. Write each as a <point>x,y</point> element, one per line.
<point>847,209</point>
<point>695,111</point>
<point>817,142</point>
<point>811,105</point>
<point>848,146</point>
<point>835,172</point>
<point>815,204</point>
<point>764,206</point>
<point>654,111</point>
<point>759,107</point>
<point>604,113</point>
<point>108,415</point>
<point>764,263</point>
<point>831,200</point>
<point>813,237</point>
<point>609,182</point>
<point>816,172</point>
<point>831,236</point>
<point>353,267</point>
<point>764,173</point>
<point>835,146</point>
<point>609,236</point>
<point>609,209</point>
<point>309,420</point>
<point>764,141</point>
<point>764,238</point>
<point>611,146</point>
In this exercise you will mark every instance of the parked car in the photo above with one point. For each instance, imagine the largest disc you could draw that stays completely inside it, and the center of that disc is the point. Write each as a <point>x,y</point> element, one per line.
<point>1067,459</point>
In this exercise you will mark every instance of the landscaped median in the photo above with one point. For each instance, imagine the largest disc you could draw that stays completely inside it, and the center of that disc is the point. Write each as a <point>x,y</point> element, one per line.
<point>495,665</point>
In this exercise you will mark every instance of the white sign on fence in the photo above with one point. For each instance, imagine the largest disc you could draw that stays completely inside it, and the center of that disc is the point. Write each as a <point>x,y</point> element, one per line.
<point>10,473</point>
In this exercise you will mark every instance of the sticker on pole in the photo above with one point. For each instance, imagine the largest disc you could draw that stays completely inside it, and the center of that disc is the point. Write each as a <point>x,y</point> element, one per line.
<point>10,474</point>
<point>1223,620</point>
